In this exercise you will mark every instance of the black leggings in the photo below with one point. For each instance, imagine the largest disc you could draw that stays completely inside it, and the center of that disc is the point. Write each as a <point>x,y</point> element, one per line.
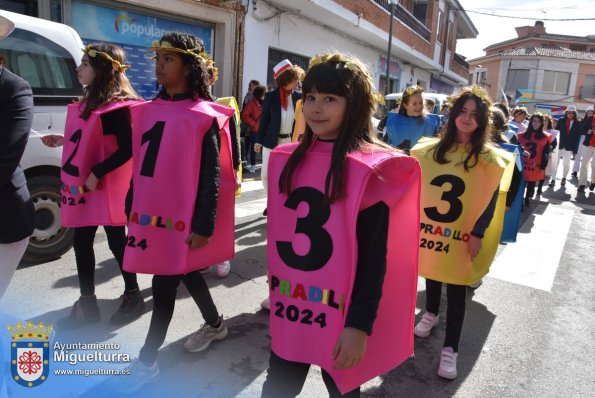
<point>85,256</point>
<point>165,289</point>
<point>249,145</point>
<point>286,379</point>
<point>530,189</point>
<point>455,309</point>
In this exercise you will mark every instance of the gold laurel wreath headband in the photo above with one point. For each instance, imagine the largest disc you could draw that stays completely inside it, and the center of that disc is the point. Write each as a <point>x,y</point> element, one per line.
<point>117,65</point>
<point>213,68</point>
<point>481,93</point>
<point>165,45</point>
<point>352,66</point>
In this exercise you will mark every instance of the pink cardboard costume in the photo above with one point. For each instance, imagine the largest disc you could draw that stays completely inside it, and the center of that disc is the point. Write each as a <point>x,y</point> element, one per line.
<point>87,143</point>
<point>312,255</point>
<point>166,148</point>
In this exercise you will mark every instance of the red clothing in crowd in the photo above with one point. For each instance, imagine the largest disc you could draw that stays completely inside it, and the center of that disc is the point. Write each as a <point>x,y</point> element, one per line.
<point>251,114</point>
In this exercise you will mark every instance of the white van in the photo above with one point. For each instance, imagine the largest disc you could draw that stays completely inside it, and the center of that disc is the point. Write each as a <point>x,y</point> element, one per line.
<point>46,55</point>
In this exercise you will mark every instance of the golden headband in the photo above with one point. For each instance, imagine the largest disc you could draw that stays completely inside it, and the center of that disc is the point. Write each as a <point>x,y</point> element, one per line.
<point>117,65</point>
<point>411,90</point>
<point>214,70</point>
<point>352,65</point>
<point>481,93</point>
<point>165,45</point>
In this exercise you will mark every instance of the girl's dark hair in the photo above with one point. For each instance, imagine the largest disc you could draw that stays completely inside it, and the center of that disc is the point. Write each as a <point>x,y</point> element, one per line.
<point>499,124</point>
<point>503,108</point>
<point>198,76</point>
<point>259,91</point>
<point>551,124</point>
<point>355,132</point>
<point>531,131</point>
<point>480,138</point>
<point>407,94</point>
<point>109,84</point>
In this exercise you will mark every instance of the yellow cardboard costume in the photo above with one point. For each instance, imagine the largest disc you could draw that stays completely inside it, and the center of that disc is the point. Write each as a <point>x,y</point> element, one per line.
<point>232,103</point>
<point>452,201</point>
<point>299,126</point>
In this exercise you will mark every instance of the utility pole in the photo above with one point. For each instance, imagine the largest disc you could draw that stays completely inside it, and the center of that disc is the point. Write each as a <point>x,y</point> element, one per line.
<point>390,45</point>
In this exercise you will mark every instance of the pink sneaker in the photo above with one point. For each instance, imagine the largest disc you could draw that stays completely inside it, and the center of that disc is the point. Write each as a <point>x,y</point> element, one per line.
<point>428,321</point>
<point>223,269</point>
<point>448,364</point>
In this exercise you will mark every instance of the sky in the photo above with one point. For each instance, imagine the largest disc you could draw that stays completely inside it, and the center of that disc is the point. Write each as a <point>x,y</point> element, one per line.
<point>494,29</point>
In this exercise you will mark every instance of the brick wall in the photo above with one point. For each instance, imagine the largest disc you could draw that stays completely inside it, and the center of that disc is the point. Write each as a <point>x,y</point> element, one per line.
<point>458,69</point>
<point>379,17</point>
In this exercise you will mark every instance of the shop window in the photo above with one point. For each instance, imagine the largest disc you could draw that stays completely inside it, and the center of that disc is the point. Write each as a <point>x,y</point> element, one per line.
<point>555,82</point>
<point>517,79</point>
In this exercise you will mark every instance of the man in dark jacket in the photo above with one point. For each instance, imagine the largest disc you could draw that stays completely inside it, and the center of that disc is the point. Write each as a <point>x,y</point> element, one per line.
<point>16,208</point>
<point>278,113</point>
<point>570,133</point>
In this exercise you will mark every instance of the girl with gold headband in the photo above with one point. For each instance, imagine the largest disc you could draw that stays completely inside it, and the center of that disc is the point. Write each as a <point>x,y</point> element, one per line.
<point>182,199</point>
<point>412,121</point>
<point>461,202</point>
<point>96,171</point>
<point>343,276</point>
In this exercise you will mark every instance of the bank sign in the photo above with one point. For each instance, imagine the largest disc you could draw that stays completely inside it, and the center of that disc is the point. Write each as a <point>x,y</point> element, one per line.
<point>134,33</point>
<point>123,27</point>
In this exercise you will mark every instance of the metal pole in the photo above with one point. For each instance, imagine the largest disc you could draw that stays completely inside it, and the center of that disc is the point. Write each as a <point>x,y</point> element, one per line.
<point>390,45</point>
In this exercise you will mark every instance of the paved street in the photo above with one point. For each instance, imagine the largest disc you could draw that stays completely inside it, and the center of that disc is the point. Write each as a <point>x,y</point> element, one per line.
<point>529,329</point>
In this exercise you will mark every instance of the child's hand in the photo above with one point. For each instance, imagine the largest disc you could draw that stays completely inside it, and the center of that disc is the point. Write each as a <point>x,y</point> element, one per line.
<point>238,181</point>
<point>92,182</point>
<point>350,348</point>
<point>474,246</point>
<point>196,241</point>
<point>52,140</point>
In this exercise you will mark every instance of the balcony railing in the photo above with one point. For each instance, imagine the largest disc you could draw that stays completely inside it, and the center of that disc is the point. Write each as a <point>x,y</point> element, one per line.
<point>459,60</point>
<point>587,92</point>
<point>407,18</point>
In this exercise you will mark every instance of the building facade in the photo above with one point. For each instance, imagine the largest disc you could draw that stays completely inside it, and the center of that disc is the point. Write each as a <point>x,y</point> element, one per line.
<point>423,44</point>
<point>553,70</point>
<point>248,37</point>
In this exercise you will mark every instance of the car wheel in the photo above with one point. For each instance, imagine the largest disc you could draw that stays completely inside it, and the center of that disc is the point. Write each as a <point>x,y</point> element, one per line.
<point>49,240</point>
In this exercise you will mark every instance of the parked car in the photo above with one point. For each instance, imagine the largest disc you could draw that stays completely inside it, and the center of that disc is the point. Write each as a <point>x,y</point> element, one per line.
<point>46,55</point>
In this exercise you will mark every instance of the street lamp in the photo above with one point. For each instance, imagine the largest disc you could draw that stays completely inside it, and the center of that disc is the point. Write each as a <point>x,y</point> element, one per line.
<point>390,44</point>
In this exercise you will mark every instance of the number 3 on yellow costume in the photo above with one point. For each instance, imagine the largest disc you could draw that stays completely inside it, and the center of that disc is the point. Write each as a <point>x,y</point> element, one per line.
<point>452,201</point>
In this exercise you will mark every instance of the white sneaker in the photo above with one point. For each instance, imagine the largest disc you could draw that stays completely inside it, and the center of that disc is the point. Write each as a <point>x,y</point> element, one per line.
<point>203,337</point>
<point>140,375</point>
<point>423,327</point>
<point>448,364</point>
<point>266,304</point>
<point>223,269</point>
